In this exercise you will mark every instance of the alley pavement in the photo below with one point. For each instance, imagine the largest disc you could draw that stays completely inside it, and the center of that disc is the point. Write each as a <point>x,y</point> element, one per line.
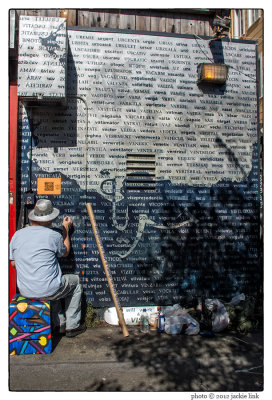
<point>101,359</point>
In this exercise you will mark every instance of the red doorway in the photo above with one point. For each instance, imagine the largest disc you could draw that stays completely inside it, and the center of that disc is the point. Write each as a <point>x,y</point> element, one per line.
<point>13,111</point>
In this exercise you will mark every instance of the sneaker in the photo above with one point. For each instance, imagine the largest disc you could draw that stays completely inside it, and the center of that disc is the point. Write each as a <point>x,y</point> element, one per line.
<point>77,331</point>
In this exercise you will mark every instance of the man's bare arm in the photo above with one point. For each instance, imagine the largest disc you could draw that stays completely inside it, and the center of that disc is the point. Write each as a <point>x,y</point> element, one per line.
<point>66,224</point>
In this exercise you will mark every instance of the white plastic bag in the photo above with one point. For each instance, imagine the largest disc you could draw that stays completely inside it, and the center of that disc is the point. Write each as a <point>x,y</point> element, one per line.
<point>173,325</point>
<point>176,309</point>
<point>176,317</point>
<point>220,316</point>
<point>192,324</point>
<point>236,299</point>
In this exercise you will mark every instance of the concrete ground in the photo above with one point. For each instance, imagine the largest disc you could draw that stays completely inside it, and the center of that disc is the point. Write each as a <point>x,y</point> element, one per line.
<point>101,359</point>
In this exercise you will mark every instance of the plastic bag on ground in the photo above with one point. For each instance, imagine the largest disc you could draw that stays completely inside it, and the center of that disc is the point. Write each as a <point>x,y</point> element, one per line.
<point>176,309</point>
<point>236,299</point>
<point>176,317</point>
<point>192,324</point>
<point>220,316</point>
<point>173,325</point>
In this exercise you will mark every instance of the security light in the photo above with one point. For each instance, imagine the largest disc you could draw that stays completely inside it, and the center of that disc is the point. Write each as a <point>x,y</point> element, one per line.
<point>212,73</point>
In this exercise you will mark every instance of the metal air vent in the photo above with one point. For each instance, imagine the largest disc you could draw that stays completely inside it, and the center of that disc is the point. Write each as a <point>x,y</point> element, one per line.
<point>141,172</point>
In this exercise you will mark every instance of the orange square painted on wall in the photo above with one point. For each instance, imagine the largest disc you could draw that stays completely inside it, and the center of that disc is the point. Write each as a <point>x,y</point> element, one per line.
<point>49,186</point>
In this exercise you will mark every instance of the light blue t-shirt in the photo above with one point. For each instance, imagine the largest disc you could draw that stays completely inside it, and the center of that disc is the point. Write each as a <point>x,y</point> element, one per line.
<point>35,250</point>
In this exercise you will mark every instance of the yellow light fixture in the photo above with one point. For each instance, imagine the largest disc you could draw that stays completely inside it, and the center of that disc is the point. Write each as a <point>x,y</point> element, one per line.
<point>212,73</point>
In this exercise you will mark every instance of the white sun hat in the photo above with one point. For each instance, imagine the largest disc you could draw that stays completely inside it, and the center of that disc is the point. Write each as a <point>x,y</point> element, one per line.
<point>43,211</point>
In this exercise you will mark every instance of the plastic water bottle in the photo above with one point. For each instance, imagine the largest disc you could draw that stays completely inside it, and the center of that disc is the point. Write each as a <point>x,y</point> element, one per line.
<point>144,323</point>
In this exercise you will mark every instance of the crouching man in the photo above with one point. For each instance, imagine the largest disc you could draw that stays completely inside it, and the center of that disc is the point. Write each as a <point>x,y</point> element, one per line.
<point>34,252</point>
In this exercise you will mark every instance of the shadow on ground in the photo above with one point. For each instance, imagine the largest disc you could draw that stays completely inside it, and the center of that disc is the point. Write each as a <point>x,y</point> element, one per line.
<point>225,362</point>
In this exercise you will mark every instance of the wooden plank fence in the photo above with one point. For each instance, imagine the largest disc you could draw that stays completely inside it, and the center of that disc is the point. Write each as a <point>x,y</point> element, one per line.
<point>145,20</point>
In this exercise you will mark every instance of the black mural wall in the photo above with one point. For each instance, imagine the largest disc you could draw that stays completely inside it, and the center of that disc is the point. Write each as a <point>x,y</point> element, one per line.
<point>170,167</point>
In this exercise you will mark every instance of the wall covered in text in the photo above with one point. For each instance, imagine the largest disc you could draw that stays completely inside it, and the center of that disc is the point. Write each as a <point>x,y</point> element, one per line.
<point>170,166</point>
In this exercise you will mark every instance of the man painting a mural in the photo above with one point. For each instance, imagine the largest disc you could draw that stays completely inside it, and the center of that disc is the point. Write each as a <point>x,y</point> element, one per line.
<point>34,252</point>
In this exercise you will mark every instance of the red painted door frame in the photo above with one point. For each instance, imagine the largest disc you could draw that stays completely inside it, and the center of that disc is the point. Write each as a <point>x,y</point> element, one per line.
<point>13,114</point>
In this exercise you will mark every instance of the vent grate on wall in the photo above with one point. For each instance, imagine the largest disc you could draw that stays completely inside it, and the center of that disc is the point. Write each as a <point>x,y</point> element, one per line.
<point>140,172</point>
